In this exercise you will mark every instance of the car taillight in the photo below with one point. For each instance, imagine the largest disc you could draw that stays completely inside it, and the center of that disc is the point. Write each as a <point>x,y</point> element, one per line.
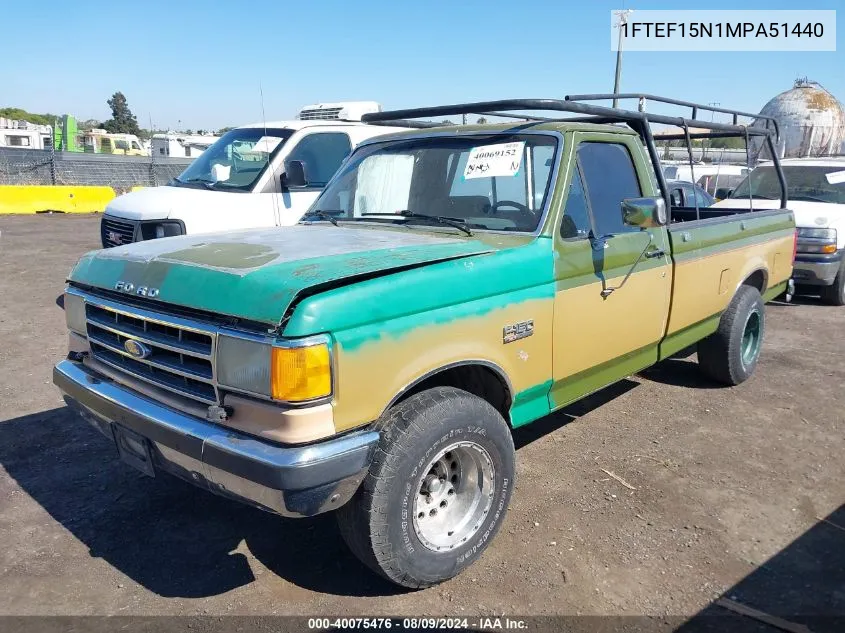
<point>794,245</point>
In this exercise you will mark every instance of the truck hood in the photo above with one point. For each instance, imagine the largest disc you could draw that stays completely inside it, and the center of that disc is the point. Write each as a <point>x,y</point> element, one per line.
<point>157,203</point>
<point>807,213</point>
<point>257,274</point>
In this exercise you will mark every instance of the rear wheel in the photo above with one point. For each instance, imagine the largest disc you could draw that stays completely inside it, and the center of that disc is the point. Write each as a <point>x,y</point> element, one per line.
<point>437,490</point>
<point>730,354</point>
<point>835,294</point>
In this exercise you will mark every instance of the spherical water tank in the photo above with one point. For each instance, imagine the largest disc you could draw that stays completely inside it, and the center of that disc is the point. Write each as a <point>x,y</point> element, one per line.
<point>811,120</point>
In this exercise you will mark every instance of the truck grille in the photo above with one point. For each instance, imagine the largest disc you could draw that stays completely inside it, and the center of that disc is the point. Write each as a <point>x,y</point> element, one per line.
<point>116,232</point>
<point>175,356</point>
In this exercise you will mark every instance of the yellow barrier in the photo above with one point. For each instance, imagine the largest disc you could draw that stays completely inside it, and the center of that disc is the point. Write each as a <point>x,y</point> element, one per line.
<point>69,199</point>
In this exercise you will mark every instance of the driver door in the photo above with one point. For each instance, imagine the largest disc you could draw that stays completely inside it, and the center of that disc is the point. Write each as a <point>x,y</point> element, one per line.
<point>601,339</point>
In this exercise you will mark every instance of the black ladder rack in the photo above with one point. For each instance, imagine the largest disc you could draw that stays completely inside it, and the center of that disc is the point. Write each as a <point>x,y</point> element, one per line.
<point>638,120</point>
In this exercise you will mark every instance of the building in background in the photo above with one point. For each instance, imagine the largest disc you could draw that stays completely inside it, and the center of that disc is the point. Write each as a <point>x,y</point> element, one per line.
<point>23,134</point>
<point>178,145</point>
<point>98,141</point>
<point>67,138</point>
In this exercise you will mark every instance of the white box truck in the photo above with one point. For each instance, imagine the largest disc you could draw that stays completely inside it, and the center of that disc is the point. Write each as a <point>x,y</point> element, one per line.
<point>241,181</point>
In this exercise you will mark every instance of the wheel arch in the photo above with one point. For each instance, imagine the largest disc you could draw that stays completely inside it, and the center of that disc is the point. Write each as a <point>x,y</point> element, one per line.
<point>757,278</point>
<point>482,378</point>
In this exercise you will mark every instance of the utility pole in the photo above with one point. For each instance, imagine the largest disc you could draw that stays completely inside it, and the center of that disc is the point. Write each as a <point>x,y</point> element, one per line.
<point>623,19</point>
<point>706,143</point>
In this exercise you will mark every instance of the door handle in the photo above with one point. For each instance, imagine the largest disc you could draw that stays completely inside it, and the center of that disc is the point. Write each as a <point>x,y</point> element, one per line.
<point>657,252</point>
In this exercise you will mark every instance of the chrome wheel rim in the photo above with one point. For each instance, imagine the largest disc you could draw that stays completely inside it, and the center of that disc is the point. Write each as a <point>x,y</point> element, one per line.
<point>751,338</point>
<point>454,496</point>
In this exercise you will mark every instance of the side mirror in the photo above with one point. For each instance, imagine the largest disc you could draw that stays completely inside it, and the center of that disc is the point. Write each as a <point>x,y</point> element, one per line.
<point>723,192</point>
<point>296,175</point>
<point>644,212</point>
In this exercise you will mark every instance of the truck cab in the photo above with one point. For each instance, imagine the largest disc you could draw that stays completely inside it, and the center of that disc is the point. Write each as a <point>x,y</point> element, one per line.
<point>239,182</point>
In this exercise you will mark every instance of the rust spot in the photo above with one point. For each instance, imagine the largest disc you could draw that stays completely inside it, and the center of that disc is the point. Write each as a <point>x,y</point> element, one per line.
<point>308,271</point>
<point>225,255</point>
<point>820,100</point>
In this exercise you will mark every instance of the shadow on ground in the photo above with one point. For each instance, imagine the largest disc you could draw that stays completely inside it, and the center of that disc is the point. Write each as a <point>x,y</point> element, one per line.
<point>177,540</point>
<point>174,539</point>
<point>802,586</point>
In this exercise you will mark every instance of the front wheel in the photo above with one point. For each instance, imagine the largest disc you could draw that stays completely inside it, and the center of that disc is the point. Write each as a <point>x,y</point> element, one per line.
<point>437,490</point>
<point>730,354</point>
<point>834,294</point>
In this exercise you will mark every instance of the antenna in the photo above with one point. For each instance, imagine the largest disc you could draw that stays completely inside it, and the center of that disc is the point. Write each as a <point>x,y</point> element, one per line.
<point>277,190</point>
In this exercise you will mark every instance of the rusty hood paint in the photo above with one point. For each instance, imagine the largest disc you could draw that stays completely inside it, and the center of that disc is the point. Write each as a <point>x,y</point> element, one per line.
<point>257,274</point>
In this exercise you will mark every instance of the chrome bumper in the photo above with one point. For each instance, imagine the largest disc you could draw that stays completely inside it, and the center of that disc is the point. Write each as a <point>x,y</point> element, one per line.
<point>291,481</point>
<point>816,270</point>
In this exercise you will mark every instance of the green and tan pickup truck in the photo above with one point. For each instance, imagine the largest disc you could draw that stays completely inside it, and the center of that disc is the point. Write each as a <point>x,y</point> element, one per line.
<point>448,286</point>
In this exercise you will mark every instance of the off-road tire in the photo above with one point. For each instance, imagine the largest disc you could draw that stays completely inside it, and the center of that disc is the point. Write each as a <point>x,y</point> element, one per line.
<point>720,355</point>
<point>377,523</point>
<point>834,294</point>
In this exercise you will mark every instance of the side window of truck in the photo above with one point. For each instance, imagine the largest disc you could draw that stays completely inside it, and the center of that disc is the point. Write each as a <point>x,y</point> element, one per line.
<point>576,219</point>
<point>322,153</point>
<point>610,178</point>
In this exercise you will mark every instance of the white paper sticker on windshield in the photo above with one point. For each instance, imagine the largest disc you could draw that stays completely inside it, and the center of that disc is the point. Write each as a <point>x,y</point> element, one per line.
<point>835,177</point>
<point>502,159</point>
<point>266,144</point>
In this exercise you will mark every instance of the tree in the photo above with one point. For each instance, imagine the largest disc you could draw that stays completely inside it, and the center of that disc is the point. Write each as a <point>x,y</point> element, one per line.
<point>19,114</point>
<point>122,121</point>
<point>481,120</point>
<point>728,143</point>
<point>89,124</point>
<point>223,130</point>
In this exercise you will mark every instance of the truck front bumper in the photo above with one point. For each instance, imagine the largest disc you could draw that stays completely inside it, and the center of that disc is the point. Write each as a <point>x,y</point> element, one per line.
<point>816,270</point>
<point>289,480</point>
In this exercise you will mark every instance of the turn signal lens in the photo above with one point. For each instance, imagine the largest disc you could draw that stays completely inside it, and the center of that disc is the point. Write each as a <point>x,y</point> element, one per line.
<point>300,373</point>
<point>829,248</point>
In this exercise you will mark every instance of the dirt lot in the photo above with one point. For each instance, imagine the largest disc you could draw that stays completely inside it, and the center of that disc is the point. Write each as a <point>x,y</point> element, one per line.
<point>738,492</point>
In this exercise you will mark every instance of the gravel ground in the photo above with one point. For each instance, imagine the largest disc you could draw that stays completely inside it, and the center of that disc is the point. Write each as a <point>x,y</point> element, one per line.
<point>735,492</point>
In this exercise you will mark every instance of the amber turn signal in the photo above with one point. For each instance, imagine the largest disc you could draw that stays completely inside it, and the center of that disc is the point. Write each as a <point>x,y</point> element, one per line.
<point>829,248</point>
<point>300,373</point>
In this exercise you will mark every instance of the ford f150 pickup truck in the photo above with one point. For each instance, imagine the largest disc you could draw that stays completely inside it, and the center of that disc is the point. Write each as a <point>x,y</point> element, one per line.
<point>449,285</point>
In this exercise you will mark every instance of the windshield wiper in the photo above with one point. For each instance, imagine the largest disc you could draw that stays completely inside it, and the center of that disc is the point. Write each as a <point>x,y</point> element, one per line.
<point>208,184</point>
<point>323,215</point>
<point>439,219</point>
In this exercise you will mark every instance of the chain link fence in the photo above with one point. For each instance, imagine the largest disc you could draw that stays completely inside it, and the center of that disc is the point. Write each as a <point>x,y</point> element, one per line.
<point>46,167</point>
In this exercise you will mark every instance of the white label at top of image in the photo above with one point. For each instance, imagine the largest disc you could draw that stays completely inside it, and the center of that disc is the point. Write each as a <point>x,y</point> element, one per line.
<point>502,159</point>
<point>723,30</point>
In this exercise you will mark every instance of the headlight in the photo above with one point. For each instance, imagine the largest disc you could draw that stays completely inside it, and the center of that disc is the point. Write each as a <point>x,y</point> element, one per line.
<point>154,230</point>
<point>817,248</point>
<point>75,313</point>
<point>816,241</point>
<point>823,234</point>
<point>290,374</point>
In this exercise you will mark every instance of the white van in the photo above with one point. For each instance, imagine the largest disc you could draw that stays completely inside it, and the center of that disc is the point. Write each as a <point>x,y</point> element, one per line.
<point>241,182</point>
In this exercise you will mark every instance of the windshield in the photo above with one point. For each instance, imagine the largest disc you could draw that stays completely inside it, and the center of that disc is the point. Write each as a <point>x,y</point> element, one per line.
<point>488,182</point>
<point>235,161</point>
<point>804,182</point>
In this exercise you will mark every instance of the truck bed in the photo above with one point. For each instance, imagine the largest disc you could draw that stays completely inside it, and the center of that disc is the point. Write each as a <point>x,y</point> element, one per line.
<point>688,214</point>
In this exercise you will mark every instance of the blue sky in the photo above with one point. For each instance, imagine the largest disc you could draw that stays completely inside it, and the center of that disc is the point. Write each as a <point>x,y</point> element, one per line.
<point>201,63</point>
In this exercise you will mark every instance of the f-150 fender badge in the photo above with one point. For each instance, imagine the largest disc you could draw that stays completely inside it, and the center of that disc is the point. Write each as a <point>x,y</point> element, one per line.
<point>516,331</point>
